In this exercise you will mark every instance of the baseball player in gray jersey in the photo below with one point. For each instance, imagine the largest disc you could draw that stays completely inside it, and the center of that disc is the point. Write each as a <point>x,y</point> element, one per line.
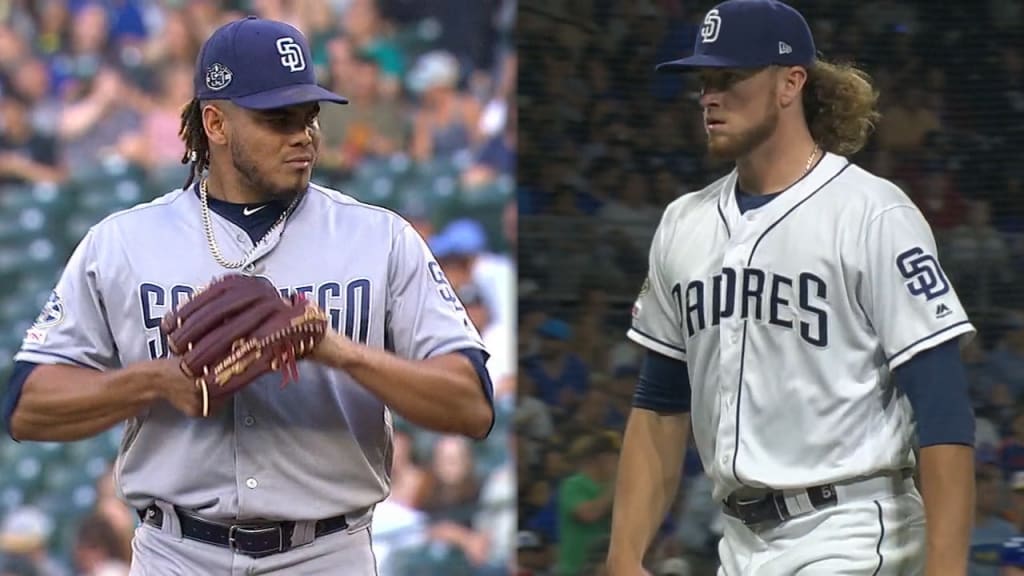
<point>796,318</point>
<point>273,481</point>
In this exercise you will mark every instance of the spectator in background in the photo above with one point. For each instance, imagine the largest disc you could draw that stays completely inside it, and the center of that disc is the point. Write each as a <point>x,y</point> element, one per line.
<point>175,43</point>
<point>977,256</point>
<point>372,127</point>
<point>938,199</point>
<point>907,120</point>
<point>562,378</point>
<point>533,556</point>
<point>631,213</point>
<point>1011,453</point>
<point>114,512</point>
<point>26,156</point>
<point>990,528</point>
<point>370,35</point>
<point>461,250</point>
<point>30,81</point>
<point>1007,361</point>
<point>585,501</point>
<point>447,122</point>
<point>156,146</point>
<point>25,532</point>
<point>398,522</point>
<point>98,549</point>
<point>17,566</point>
<point>450,506</point>
<point>1017,501</point>
<point>94,120</point>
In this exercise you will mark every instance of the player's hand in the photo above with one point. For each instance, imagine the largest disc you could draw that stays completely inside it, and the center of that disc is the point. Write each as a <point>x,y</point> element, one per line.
<point>181,391</point>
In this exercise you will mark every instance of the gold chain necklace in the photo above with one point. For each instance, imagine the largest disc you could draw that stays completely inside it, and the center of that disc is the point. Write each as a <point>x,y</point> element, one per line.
<point>211,241</point>
<point>810,160</point>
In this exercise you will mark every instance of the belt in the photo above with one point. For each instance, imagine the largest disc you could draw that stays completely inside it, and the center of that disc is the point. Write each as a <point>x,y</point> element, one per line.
<point>251,539</point>
<point>776,506</point>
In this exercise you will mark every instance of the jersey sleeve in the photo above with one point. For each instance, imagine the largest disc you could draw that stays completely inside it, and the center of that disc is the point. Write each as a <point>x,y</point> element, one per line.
<point>424,316</point>
<point>72,327</point>
<point>656,320</point>
<point>906,295</point>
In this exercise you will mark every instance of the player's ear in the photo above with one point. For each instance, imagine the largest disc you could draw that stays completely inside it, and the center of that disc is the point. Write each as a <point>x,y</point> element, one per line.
<point>791,82</point>
<point>215,124</point>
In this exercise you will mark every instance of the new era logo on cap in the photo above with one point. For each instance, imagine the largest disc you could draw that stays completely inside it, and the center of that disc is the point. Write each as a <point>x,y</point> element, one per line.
<point>259,64</point>
<point>749,34</point>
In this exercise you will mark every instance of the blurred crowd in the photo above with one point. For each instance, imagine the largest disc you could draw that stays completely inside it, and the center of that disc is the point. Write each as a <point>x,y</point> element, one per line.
<point>97,86</point>
<point>606,144</point>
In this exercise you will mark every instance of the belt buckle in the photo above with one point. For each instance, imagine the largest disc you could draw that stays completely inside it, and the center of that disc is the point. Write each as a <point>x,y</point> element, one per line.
<point>234,529</point>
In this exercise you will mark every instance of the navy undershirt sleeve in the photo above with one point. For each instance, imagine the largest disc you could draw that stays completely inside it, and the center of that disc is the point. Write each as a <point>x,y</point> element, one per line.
<point>936,385</point>
<point>663,386</point>
<point>479,361</point>
<point>13,393</point>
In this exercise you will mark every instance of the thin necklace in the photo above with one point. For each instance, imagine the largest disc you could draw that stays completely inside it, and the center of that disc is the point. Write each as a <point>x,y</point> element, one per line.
<point>212,241</point>
<point>810,160</point>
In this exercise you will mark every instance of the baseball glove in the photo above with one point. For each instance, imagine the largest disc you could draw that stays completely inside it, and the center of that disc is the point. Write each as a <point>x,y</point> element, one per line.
<point>238,328</point>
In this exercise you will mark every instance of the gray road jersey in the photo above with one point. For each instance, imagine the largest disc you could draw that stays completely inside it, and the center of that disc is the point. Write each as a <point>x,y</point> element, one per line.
<point>317,448</point>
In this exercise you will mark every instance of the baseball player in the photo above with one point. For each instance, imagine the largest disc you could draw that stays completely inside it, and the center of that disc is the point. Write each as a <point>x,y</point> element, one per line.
<point>273,481</point>
<point>796,317</point>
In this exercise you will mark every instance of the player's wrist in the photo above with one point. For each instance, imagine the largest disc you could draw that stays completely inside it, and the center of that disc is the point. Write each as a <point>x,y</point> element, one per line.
<point>336,351</point>
<point>161,377</point>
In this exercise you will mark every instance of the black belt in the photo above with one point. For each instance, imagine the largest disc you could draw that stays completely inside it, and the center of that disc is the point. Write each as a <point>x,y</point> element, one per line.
<point>254,540</point>
<point>772,506</point>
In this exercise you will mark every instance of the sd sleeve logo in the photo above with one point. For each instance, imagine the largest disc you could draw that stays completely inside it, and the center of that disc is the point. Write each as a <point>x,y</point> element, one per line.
<point>922,273</point>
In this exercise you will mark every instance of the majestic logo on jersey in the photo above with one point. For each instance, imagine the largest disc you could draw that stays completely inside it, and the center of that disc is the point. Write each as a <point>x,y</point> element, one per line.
<point>712,24</point>
<point>923,274</point>
<point>218,76</point>
<point>291,54</point>
<point>799,304</point>
<point>348,306</point>
<point>941,311</point>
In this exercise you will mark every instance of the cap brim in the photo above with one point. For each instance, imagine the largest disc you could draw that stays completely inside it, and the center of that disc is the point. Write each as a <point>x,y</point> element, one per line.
<point>288,96</point>
<point>698,61</point>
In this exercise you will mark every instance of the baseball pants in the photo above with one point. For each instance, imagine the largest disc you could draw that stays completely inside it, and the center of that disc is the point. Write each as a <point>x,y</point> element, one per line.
<point>882,536</point>
<point>163,552</point>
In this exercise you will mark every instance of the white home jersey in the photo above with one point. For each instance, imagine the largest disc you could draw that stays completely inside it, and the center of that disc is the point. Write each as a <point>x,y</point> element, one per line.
<point>791,318</point>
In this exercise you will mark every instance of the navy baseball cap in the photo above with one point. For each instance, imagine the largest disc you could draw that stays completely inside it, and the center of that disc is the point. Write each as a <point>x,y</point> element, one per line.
<point>749,34</point>
<point>259,64</point>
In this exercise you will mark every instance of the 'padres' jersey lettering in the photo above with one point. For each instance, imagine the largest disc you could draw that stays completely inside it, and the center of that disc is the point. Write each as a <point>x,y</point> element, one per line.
<point>791,318</point>
<point>763,297</point>
<point>386,292</point>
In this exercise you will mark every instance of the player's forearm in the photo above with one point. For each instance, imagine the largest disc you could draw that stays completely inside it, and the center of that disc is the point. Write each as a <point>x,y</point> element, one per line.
<point>441,394</point>
<point>650,468</point>
<point>68,403</point>
<point>947,486</point>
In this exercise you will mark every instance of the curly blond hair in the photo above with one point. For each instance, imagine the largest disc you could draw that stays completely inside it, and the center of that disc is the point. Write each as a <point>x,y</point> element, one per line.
<point>840,105</point>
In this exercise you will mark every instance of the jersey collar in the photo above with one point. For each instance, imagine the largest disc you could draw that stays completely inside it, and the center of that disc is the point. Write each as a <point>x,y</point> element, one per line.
<point>827,168</point>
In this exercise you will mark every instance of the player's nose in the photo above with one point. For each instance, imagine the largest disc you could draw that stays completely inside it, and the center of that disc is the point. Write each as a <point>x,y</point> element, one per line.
<point>709,98</point>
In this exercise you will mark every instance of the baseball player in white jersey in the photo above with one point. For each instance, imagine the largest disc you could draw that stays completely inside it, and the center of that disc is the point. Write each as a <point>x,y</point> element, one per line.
<point>274,481</point>
<point>796,318</point>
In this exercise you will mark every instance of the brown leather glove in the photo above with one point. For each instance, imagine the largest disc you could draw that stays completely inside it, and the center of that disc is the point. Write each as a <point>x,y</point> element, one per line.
<point>239,328</point>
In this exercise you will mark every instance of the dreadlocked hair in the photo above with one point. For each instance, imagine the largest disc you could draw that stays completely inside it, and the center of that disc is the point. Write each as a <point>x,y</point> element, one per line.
<point>197,148</point>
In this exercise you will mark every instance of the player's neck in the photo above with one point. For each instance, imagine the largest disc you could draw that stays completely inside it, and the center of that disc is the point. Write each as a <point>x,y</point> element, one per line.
<point>775,166</point>
<point>227,186</point>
